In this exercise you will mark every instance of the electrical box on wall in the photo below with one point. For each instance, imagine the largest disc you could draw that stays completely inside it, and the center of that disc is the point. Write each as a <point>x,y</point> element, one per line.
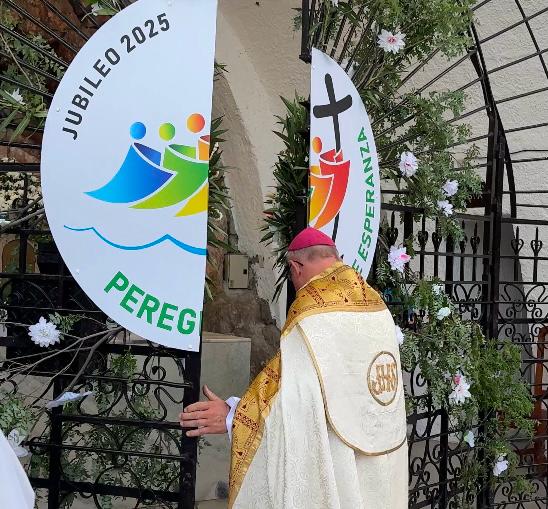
<point>237,271</point>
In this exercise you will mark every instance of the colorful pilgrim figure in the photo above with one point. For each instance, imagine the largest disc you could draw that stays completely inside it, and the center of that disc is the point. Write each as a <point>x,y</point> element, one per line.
<point>15,489</point>
<point>152,180</point>
<point>323,426</point>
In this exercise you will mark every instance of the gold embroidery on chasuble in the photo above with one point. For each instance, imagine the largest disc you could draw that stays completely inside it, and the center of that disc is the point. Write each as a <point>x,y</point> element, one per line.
<point>339,288</point>
<point>248,423</point>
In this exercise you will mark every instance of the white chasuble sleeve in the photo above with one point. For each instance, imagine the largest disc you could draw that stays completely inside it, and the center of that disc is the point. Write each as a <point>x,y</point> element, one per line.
<point>232,402</point>
<point>15,489</point>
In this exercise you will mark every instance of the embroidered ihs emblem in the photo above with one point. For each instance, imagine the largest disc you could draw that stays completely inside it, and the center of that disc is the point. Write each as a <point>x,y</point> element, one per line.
<point>383,378</point>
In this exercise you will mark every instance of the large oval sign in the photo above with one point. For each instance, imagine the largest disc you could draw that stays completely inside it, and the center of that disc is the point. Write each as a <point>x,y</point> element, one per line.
<point>125,167</point>
<point>344,171</point>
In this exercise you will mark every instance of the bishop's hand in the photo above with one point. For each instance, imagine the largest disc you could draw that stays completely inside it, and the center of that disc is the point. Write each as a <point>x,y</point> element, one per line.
<point>208,417</point>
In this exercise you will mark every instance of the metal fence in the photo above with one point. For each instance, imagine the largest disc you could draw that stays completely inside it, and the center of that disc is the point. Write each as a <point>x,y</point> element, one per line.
<point>128,445</point>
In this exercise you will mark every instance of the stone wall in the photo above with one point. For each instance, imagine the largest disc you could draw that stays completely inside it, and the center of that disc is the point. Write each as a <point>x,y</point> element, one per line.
<point>240,313</point>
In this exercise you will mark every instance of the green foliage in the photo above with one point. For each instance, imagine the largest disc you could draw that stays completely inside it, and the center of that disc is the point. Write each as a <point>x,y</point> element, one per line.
<point>291,175</point>
<point>440,349</point>
<point>117,397</point>
<point>219,199</point>
<point>28,113</point>
<point>64,323</point>
<point>104,7</point>
<point>428,138</point>
<point>401,121</point>
<point>15,414</point>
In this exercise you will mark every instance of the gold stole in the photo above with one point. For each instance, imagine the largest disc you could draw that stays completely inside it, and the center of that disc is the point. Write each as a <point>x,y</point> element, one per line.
<point>339,288</point>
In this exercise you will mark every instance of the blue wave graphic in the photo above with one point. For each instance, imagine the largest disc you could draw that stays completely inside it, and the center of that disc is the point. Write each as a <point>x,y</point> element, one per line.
<point>185,247</point>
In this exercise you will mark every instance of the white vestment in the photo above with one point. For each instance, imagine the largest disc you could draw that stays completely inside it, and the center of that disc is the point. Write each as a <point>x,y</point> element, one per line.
<point>15,489</point>
<point>325,445</point>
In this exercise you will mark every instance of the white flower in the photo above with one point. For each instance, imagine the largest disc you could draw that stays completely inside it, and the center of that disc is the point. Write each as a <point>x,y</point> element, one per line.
<point>44,333</point>
<point>17,97</point>
<point>96,9</point>
<point>408,164</point>
<point>15,439</point>
<point>390,42</point>
<point>500,466</point>
<point>216,214</point>
<point>397,258</point>
<point>470,439</point>
<point>461,390</point>
<point>400,337</point>
<point>438,289</point>
<point>443,313</point>
<point>277,239</point>
<point>450,188</point>
<point>335,2</point>
<point>67,397</point>
<point>445,207</point>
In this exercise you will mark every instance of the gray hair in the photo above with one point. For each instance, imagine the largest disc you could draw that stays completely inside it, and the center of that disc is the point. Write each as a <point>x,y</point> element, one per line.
<point>312,253</point>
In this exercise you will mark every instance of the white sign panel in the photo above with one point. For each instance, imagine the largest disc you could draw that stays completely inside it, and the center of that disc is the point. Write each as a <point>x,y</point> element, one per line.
<point>125,165</point>
<point>345,200</point>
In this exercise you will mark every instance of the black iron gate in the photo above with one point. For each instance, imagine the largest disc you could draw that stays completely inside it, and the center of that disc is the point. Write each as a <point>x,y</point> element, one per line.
<point>127,446</point>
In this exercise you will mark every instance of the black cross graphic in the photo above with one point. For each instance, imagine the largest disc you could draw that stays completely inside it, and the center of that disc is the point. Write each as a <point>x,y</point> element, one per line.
<point>333,109</point>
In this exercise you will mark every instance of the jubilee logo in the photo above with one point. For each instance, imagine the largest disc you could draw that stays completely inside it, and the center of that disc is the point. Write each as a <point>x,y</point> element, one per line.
<point>329,178</point>
<point>328,184</point>
<point>151,179</point>
<point>344,178</point>
<point>125,165</point>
